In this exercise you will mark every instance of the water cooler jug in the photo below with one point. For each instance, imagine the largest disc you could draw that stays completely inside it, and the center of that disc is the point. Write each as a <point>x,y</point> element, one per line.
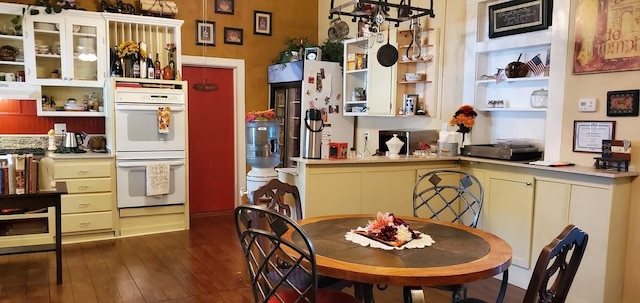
<point>312,134</point>
<point>262,153</point>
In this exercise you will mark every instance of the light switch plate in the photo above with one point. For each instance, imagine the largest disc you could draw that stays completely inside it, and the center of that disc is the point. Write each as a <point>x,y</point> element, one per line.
<point>60,128</point>
<point>587,105</point>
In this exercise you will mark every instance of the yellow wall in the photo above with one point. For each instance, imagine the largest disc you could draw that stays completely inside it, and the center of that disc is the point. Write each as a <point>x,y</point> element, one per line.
<point>291,18</point>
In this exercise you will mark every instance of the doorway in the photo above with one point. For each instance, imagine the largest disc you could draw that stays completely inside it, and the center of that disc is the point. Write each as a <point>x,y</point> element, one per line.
<point>217,169</point>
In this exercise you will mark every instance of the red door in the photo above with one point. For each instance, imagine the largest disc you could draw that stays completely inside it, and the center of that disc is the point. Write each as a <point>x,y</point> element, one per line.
<point>211,144</point>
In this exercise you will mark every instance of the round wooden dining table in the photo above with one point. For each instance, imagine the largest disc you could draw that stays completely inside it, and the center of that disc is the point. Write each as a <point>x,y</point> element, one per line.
<point>459,255</point>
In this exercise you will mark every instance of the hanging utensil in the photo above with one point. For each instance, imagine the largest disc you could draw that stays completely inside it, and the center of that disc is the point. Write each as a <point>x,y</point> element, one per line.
<point>387,54</point>
<point>337,30</point>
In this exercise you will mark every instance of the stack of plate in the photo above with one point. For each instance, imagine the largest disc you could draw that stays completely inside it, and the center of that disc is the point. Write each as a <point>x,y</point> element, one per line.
<point>44,26</point>
<point>87,29</point>
<point>43,49</point>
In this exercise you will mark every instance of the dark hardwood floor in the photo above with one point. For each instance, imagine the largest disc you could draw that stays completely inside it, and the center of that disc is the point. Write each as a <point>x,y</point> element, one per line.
<point>203,264</point>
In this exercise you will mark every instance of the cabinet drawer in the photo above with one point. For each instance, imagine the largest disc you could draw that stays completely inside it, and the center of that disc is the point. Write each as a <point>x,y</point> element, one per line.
<point>83,203</point>
<point>87,222</point>
<point>88,185</point>
<point>82,169</point>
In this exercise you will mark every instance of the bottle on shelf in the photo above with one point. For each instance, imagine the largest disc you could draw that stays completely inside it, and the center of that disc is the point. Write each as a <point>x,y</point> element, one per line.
<point>157,68</point>
<point>150,67</point>
<point>136,66</point>
<point>172,64</point>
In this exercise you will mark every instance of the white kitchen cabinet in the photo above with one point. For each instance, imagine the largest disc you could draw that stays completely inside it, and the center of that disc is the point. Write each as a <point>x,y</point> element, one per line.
<point>71,43</point>
<point>10,37</point>
<point>377,81</point>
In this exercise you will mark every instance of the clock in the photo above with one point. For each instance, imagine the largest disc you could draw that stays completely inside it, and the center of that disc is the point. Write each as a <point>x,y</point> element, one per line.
<point>313,53</point>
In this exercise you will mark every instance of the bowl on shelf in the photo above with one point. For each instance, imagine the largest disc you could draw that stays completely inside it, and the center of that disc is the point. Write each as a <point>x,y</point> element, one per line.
<point>415,76</point>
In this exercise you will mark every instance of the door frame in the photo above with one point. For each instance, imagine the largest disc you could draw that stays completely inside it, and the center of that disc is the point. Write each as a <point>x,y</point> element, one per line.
<point>237,65</point>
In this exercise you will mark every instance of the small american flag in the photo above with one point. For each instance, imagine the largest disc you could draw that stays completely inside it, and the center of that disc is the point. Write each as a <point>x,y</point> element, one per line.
<point>536,65</point>
<point>500,75</point>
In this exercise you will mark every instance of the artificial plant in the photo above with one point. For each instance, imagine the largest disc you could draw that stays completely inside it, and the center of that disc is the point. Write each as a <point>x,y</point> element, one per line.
<point>292,44</point>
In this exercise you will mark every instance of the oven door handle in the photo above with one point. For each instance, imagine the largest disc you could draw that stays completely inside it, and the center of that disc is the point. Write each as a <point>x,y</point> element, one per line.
<point>143,164</point>
<point>174,108</point>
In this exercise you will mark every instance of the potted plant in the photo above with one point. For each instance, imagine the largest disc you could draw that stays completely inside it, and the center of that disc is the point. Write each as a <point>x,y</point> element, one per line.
<point>332,52</point>
<point>292,45</point>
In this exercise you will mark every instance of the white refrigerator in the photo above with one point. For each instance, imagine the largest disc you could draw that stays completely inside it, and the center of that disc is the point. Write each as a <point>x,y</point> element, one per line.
<point>297,86</point>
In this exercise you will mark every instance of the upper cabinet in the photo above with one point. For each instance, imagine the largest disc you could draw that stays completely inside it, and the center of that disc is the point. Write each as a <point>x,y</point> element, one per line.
<point>369,87</point>
<point>66,49</point>
<point>11,42</point>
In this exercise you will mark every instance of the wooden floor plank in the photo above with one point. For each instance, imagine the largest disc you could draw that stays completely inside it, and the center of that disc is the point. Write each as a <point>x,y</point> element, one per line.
<point>203,264</point>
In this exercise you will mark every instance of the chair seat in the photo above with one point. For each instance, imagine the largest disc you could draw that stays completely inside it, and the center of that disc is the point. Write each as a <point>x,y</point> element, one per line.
<point>324,296</point>
<point>300,279</point>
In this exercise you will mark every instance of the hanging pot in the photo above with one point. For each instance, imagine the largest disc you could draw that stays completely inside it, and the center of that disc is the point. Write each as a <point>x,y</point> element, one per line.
<point>337,30</point>
<point>387,54</point>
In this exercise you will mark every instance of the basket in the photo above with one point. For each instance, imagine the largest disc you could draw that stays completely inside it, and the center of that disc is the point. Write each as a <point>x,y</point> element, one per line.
<point>8,53</point>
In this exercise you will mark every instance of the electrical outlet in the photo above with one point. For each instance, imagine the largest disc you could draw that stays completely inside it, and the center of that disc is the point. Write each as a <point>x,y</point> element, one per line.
<point>366,136</point>
<point>60,128</point>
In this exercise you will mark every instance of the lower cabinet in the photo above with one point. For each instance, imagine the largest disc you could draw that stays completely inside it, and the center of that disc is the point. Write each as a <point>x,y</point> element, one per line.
<point>529,207</point>
<point>508,206</point>
<point>88,210</point>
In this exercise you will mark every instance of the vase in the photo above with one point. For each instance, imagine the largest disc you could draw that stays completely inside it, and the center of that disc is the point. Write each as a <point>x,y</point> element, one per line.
<point>127,67</point>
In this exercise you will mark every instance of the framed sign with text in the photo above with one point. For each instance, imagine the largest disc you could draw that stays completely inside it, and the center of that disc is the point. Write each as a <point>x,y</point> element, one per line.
<point>519,16</point>
<point>588,135</point>
<point>622,103</point>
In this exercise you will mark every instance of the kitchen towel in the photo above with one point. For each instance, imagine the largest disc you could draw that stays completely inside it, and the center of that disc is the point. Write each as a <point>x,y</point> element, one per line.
<point>164,119</point>
<point>158,174</point>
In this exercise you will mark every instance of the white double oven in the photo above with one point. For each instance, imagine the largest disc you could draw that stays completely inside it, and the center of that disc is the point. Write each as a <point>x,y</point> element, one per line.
<point>140,138</point>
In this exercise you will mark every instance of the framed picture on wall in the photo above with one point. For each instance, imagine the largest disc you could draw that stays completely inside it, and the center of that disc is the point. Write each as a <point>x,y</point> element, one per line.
<point>224,6</point>
<point>622,103</point>
<point>233,35</point>
<point>205,33</point>
<point>262,23</point>
<point>519,16</point>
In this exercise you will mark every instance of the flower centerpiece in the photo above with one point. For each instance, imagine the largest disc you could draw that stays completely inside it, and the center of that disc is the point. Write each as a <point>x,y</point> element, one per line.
<point>128,51</point>
<point>389,229</point>
<point>464,118</point>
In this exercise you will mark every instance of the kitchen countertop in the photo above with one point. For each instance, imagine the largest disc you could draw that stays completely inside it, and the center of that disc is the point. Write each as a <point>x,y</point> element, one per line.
<point>581,170</point>
<point>79,156</point>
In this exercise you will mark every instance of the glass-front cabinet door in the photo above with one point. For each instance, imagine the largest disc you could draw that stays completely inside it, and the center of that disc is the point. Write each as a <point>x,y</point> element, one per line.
<point>65,49</point>
<point>11,43</point>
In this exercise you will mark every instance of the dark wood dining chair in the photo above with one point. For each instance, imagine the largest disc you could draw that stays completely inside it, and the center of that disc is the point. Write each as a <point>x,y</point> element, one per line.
<point>451,196</point>
<point>555,269</point>
<point>257,226</point>
<point>274,195</point>
<point>280,196</point>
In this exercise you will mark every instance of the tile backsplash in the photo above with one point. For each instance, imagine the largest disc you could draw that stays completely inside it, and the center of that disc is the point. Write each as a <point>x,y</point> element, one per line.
<point>23,141</point>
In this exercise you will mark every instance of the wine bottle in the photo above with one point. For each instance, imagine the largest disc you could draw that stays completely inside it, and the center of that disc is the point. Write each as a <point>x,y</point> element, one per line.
<point>172,64</point>
<point>157,68</point>
<point>136,66</point>
<point>151,73</point>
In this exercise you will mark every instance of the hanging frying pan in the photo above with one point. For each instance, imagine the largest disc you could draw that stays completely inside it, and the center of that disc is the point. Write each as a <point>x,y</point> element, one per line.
<point>387,54</point>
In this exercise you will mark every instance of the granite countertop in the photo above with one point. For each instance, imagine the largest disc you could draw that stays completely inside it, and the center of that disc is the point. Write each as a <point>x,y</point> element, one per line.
<point>576,169</point>
<point>79,156</point>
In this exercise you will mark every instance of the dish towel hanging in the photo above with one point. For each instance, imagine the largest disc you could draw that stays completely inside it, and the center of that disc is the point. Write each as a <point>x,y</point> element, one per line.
<point>164,119</point>
<point>157,175</point>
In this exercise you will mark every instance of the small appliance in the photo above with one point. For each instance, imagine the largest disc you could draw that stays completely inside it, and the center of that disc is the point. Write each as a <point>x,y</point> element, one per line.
<point>410,137</point>
<point>508,151</point>
<point>313,134</point>
<point>73,140</point>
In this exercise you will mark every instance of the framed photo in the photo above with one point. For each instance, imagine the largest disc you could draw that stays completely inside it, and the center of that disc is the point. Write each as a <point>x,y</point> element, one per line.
<point>410,104</point>
<point>232,35</point>
<point>622,103</point>
<point>262,23</point>
<point>205,33</point>
<point>224,6</point>
<point>519,16</point>
<point>588,135</point>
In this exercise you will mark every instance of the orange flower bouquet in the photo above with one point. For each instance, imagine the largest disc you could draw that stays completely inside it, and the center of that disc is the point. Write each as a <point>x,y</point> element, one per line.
<point>464,118</point>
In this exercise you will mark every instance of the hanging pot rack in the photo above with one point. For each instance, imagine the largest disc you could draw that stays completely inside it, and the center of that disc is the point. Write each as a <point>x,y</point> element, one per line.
<point>403,11</point>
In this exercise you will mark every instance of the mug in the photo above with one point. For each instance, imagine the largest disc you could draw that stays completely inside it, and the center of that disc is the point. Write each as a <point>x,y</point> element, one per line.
<point>9,77</point>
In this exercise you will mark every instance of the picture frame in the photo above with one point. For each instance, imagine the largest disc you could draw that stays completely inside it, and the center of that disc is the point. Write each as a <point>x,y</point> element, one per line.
<point>262,23</point>
<point>410,104</point>
<point>205,33</point>
<point>588,135</point>
<point>623,103</point>
<point>233,35</point>
<point>224,6</point>
<point>519,16</point>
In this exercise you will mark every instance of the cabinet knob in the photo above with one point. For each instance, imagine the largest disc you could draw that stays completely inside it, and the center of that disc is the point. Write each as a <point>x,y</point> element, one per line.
<point>83,205</point>
<point>82,172</point>
<point>527,183</point>
<point>83,187</point>
<point>84,224</point>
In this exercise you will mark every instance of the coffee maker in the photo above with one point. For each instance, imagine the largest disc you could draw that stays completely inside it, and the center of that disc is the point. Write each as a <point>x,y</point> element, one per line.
<point>312,134</point>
